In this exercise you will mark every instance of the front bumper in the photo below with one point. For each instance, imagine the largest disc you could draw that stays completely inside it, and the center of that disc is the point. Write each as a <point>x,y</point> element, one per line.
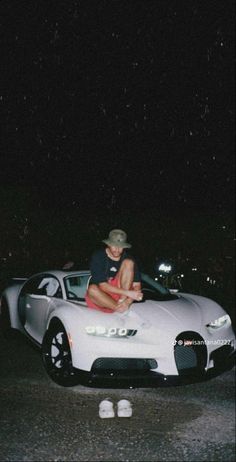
<point>223,360</point>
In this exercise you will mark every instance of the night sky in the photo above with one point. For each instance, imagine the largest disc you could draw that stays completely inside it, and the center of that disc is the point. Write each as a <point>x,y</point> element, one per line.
<point>116,114</point>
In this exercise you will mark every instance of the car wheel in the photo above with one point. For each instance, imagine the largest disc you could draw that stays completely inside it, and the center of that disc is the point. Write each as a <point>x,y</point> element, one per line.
<point>5,321</point>
<point>56,356</point>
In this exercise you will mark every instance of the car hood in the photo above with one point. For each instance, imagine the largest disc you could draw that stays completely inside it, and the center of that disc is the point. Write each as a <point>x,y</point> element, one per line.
<point>186,312</point>
<point>181,313</point>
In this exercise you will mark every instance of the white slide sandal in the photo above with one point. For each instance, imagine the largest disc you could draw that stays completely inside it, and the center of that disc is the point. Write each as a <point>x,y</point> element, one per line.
<point>124,408</point>
<point>106,410</point>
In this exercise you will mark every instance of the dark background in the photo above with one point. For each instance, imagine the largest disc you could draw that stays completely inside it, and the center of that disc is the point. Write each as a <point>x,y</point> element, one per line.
<point>117,113</point>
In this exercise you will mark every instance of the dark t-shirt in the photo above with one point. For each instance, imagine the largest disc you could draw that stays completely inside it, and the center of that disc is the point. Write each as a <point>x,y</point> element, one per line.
<point>103,268</point>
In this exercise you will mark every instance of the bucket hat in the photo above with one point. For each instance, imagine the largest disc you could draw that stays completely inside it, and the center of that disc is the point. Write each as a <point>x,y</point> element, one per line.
<point>117,238</point>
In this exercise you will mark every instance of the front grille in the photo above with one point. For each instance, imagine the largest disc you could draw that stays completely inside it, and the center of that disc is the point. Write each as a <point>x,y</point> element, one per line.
<point>190,353</point>
<point>124,364</point>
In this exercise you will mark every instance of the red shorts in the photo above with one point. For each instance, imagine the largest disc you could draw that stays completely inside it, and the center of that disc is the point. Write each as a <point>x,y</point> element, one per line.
<point>114,283</point>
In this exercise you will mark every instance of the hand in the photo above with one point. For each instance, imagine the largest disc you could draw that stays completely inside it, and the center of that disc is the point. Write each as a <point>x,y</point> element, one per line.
<point>135,295</point>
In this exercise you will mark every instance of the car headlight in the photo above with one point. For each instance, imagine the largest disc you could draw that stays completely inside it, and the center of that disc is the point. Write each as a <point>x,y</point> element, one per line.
<point>102,331</point>
<point>220,322</point>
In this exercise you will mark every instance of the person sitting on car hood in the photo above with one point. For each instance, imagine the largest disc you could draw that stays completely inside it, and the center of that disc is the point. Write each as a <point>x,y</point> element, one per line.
<point>115,282</point>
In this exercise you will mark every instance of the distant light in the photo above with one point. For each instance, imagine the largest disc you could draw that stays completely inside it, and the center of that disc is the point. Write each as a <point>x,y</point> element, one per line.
<point>165,268</point>
<point>182,275</point>
<point>194,269</point>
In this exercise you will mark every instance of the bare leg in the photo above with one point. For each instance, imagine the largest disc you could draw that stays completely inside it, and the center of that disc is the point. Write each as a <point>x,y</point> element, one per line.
<point>125,281</point>
<point>100,298</point>
<point>126,274</point>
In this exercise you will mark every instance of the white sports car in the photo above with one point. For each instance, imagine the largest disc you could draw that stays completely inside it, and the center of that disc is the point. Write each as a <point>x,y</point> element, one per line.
<point>166,337</point>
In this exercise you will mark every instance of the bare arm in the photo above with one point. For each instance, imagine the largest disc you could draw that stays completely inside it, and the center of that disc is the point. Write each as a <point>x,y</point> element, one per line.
<point>134,294</point>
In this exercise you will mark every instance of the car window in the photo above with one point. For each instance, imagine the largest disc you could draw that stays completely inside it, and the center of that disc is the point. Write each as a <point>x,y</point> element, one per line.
<point>31,286</point>
<point>42,285</point>
<point>76,286</point>
<point>49,286</point>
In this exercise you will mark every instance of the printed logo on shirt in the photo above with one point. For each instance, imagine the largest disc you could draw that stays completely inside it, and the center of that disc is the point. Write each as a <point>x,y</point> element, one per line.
<point>113,269</point>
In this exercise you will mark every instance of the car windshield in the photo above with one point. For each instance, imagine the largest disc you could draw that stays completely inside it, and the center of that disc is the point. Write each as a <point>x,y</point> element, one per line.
<point>76,286</point>
<point>153,290</point>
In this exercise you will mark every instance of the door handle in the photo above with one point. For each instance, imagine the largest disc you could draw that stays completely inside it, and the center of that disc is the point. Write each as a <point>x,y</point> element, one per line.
<point>28,305</point>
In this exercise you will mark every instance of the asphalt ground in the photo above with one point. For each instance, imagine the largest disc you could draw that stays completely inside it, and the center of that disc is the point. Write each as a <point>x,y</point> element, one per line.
<point>41,421</point>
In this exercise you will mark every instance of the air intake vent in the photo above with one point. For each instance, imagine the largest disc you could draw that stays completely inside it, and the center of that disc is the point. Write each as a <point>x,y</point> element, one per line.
<point>190,353</point>
<point>124,364</point>
<point>185,357</point>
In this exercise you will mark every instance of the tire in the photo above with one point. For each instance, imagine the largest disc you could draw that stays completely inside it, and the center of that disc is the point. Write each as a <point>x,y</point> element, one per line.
<point>56,356</point>
<point>5,321</point>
